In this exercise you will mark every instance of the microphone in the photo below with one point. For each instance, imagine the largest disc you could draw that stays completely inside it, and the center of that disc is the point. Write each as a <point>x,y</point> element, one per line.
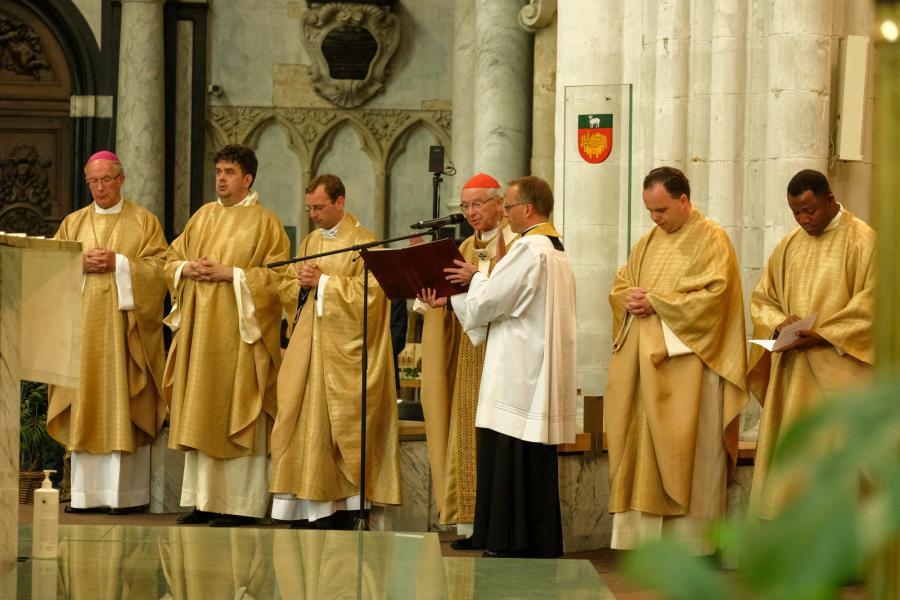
<point>439,222</point>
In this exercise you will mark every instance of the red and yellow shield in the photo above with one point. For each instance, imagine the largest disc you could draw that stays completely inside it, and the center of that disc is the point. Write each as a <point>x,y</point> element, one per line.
<point>595,137</point>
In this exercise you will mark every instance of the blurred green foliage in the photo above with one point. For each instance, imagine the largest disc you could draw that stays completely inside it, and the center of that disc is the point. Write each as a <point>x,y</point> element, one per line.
<point>844,520</point>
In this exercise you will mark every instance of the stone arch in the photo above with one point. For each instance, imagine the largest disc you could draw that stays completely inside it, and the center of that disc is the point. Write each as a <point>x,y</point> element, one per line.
<point>323,144</point>
<point>398,143</point>
<point>283,173</point>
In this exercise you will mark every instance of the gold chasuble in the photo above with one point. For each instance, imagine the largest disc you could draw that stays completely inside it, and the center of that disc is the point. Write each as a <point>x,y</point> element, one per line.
<point>451,378</point>
<point>118,405</point>
<point>315,441</point>
<point>831,275</point>
<point>654,398</point>
<point>220,376</point>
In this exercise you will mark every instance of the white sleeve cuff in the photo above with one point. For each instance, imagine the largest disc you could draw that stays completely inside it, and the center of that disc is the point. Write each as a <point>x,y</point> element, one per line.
<point>123,283</point>
<point>173,319</point>
<point>477,335</point>
<point>320,294</point>
<point>674,345</point>
<point>247,322</point>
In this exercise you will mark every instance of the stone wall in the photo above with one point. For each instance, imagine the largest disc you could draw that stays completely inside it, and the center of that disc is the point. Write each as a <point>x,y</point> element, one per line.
<point>379,149</point>
<point>738,94</point>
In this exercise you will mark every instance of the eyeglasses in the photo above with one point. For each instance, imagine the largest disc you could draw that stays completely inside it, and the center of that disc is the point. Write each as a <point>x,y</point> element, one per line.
<point>478,205</point>
<point>506,207</point>
<point>95,181</point>
<point>314,209</point>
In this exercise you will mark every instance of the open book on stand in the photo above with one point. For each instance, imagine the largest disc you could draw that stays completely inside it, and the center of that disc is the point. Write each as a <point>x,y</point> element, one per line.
<point>403,272</point>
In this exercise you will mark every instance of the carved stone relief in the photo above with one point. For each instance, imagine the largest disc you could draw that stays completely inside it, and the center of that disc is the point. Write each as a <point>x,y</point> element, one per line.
<point>537,14</point>
<point>350,45</point>
<point>20,49</point>
<point>307,126</point>
<point>25,192</point>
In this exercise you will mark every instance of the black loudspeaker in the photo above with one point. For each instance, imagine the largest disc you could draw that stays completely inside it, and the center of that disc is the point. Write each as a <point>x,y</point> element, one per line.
<point>436,159</point>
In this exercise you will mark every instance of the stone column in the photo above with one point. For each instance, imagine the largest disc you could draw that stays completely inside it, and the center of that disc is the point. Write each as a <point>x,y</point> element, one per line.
<point>140,112</point>
<point>539,17</point>
<point>798,104</point>
<point>671,51</point>
<point>502,90</point>
<point>589,199</point>
<point>463,98</point>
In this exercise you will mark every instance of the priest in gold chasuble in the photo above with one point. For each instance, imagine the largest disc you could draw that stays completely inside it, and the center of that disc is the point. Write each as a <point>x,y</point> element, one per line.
<point>677,373</point>
<point>316,439</point>
<point>825,267</point>
<point>223,363</point>
<point>108,422</point>
<point>451,365</point>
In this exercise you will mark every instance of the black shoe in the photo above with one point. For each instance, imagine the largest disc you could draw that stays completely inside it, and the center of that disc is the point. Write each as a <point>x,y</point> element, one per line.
<point>343,520</point>
<point>492,554</point>
<point>79,511</point>
<point>463,544</point>
<point>232,521</point>
<point>302,524</point>
<point>129,510</point>
<point>196,517</point>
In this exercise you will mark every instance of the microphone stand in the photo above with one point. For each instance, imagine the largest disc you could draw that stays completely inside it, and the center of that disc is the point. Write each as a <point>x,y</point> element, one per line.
<point>436,202</point>
<point>362,521</point>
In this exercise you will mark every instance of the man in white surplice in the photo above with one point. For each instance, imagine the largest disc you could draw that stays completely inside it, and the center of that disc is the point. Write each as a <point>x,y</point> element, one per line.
<point>526,403</point>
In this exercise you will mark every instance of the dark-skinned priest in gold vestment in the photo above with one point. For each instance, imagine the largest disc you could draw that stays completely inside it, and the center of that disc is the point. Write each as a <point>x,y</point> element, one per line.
<point>677,374</point>
<point>109,421</point>
<point>451,365</point>
<point>223,363</point>
<point>825,267</point>
<point>316,440</point>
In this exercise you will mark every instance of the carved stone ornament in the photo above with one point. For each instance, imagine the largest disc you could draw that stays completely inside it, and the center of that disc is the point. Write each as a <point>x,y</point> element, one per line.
<point>537,14</point>
<point>24,192</point>
<point>350,45</point>
<point>309,126</point>
<point>20,49</point>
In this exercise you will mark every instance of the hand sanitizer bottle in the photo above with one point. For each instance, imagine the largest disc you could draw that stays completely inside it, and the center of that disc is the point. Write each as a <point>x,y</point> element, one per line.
<point>45,532</point>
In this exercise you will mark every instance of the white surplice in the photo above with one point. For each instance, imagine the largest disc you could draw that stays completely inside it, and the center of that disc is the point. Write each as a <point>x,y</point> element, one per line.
<point>528,382</point>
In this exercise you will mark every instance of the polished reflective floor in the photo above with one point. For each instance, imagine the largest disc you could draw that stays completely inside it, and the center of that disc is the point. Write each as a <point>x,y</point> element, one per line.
<point>204,563</point>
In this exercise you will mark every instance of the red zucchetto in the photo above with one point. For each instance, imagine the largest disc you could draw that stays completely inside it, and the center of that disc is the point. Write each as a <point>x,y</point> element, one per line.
<point>481,181</point>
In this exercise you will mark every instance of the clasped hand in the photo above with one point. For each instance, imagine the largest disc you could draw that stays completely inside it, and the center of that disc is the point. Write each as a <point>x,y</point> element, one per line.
<point>637,302</point>
<point>203,269</point>
<point>805,338</point>
<point>98,260</point>
<point>308,274</point>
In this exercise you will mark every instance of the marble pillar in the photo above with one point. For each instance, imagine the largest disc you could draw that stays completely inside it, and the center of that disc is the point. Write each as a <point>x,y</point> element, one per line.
<point>539,17</point>
<point>501,90</point>
<point>166,474</point>
<point>183,142</point>
<point>140,111</point>
<point>463,98</point>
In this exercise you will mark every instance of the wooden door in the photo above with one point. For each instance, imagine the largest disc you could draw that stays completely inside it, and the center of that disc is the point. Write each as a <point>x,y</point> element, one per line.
<point>35,127</point>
